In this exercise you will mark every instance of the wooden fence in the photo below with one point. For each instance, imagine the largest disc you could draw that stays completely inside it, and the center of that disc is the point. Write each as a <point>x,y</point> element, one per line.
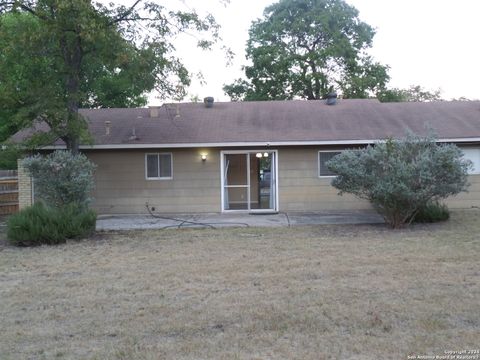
<point>8,192</point>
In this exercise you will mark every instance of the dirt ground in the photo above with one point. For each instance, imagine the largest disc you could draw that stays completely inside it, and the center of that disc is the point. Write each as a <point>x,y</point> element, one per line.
<point>306,292</point>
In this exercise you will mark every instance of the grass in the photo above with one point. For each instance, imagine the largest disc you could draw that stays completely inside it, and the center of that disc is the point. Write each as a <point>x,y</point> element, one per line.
<point>340,292</point>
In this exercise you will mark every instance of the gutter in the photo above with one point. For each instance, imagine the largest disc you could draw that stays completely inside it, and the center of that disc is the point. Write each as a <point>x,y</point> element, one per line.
<point>244,144</point>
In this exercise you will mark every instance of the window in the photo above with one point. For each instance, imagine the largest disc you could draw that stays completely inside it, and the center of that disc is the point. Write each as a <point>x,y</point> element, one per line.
<point>323,157</point>
<point>473,154</point>
<point>158,166</point>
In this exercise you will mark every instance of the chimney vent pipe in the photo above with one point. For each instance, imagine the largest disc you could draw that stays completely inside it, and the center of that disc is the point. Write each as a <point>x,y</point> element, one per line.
<point>332,98</point>
<point>208,101</point>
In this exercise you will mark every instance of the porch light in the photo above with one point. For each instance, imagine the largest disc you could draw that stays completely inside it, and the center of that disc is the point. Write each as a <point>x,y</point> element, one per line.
<point>258,155</point>
<point>204,157</point>
<point>265,154</point>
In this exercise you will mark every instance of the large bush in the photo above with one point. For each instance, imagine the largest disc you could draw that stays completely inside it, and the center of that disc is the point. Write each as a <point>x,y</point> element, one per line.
<point>40,224</point>
<point>61,178</point>
<point>399,177</point>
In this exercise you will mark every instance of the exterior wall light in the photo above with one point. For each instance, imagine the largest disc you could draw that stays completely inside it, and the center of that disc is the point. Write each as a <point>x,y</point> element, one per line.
<point>260,155</point>
<point>204,157</point>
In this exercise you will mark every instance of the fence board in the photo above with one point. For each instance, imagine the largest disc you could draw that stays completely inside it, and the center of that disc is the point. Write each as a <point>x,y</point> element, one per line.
<point>8,192</point>
<point>8,173</point>
<point>8,197</point>
<point>8,184</point>
<point>8,209</point>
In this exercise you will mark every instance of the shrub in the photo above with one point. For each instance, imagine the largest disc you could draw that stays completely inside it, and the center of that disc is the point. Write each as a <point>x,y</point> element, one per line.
<point>432,212</point>
<point>41,224</point>
<point>399,177</point>
<point>61,178</point>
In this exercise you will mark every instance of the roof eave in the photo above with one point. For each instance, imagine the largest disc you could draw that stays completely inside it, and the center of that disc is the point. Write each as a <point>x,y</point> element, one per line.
<point>245,144</point>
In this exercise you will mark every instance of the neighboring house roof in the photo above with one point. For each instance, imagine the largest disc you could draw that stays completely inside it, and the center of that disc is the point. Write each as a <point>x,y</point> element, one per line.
<point>280,123</point>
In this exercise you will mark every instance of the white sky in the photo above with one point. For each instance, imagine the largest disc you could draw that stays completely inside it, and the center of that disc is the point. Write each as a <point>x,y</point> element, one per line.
<point>432,43</point>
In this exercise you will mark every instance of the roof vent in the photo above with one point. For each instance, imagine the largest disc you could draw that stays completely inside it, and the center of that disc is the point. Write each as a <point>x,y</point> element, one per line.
<point>154,111</point>
<point>208,101</point>
<point>107,127</point>
<point>331,98</point>
<point>134,135</point>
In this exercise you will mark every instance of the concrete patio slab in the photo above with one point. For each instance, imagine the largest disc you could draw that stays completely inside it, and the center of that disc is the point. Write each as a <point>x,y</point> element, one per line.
<point>214,220</point>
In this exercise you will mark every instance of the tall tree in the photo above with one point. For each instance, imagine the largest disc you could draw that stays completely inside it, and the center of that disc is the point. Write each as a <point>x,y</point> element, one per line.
<point>61,55</point>
<point>414,93</point>
<point>307,48</point>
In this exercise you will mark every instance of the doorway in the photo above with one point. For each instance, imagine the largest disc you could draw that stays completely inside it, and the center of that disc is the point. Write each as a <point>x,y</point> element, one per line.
<point>249,181</point>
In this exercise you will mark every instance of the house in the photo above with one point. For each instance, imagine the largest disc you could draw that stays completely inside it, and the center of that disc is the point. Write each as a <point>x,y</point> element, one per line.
<point>253,156</point>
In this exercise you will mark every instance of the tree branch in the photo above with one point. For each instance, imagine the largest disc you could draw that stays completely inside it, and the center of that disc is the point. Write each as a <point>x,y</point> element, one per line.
<point>124,16</point>
<point>23,7</point>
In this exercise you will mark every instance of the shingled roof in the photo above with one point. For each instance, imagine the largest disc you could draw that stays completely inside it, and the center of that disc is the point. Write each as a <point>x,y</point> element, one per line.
<point>280,123</point>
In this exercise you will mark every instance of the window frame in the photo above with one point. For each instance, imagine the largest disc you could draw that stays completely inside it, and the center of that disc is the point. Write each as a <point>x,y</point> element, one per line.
<point>320,176</point>
<point>158,162</point>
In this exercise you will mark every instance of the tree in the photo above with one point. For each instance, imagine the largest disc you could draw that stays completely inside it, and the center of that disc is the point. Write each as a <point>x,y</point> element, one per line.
<point>307,48</point>
<point>399,177</point>
<point>414,93</point>
<point>62,55</point>
<point>8,157</point>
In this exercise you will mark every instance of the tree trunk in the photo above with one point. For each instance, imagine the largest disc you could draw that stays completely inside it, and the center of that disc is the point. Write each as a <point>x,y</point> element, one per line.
<point>73,56</point>
<point>73,117</point>
<point>72,144</point>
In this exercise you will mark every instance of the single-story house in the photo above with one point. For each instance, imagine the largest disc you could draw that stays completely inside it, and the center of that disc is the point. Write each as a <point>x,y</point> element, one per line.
<point>253,156</point>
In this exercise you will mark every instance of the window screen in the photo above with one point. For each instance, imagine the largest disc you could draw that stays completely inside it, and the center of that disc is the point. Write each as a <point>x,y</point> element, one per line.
<point>159,166</point>
<point>323,158</point>
<point>165,165</point>
<point>472,154</point>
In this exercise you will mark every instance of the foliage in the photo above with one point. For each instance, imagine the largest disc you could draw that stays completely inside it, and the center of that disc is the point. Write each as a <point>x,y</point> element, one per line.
<point>8,157</point>
<point>414,93</point>
<point>40,224</point>
<point>240,90</point>
<point>463,98</point>
<point>401,176</point>
<point>61,177</point>
<point>62,55</point>
<point>307,48</point>
<point>431,212</point>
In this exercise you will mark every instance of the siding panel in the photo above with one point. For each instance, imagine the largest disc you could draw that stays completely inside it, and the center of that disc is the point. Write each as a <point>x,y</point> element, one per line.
<point>300,188</point>
<point>121,186</point>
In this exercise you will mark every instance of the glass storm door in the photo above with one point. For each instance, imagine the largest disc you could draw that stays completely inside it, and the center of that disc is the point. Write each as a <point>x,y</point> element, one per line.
<point>249,181</point>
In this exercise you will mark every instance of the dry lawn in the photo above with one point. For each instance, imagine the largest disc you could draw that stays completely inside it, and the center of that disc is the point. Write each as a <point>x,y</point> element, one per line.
<point>339,292</point>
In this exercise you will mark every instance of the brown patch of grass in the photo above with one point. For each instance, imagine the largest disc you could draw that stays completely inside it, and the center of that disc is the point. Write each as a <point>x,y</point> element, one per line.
<point>351,292</point>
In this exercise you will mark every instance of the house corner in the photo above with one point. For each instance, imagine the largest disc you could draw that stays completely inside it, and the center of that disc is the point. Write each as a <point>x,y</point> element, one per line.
<point>25,187</point>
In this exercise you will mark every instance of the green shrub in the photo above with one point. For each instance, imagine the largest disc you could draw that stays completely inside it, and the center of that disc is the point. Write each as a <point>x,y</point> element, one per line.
<point>41,224</point>
<point>61,177</point>
<point>400,176</point>
<point>432,212</point>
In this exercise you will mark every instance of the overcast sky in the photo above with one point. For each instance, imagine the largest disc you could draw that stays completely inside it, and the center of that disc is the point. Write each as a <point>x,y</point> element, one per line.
<point>432,43</point>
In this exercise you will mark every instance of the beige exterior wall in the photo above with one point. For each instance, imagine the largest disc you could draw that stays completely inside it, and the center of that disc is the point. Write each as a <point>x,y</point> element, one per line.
<point>300,188</point>
<point>467,200</point>
<point>121,186</point>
